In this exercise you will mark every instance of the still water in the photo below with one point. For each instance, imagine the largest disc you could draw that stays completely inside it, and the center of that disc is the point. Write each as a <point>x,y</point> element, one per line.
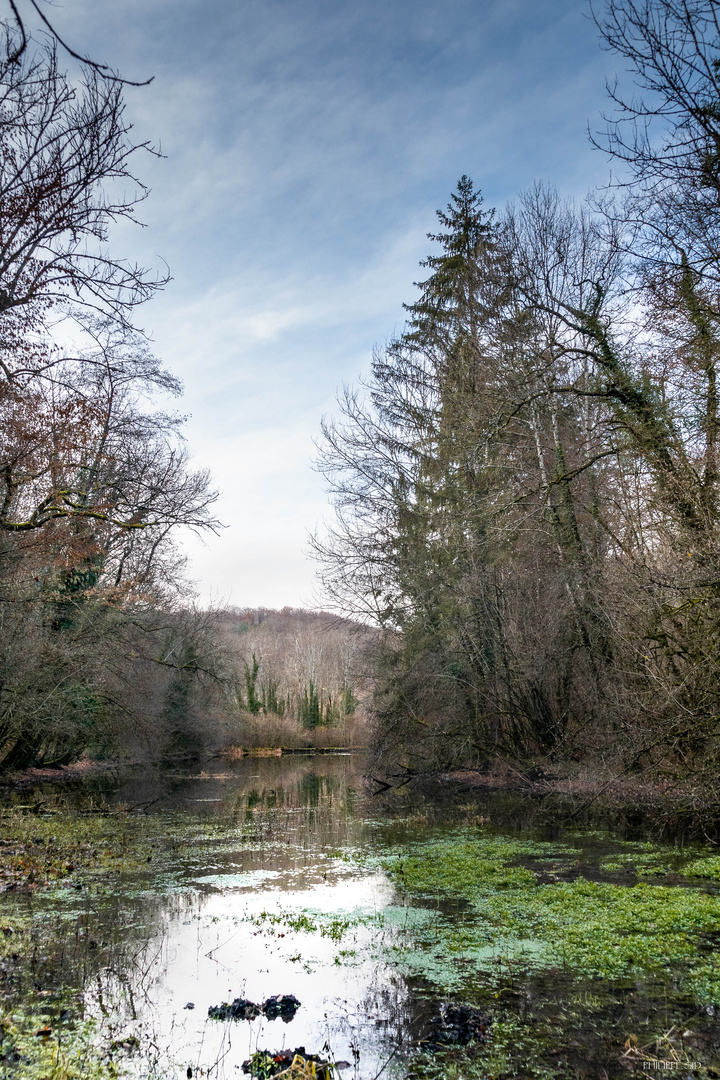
<point>584,950</point>
<point>216,943</point>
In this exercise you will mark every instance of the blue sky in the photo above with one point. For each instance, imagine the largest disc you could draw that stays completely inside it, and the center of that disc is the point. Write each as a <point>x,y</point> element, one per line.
<point>307,146</point>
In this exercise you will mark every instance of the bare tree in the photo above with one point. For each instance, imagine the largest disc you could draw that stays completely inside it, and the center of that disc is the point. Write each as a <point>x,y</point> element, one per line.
<point>77,446</point>
<point>66,176</point>
<point>23,39</point>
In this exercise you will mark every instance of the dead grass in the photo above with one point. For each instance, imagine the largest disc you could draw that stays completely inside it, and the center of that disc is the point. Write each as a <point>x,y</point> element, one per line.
<point>267,734</point>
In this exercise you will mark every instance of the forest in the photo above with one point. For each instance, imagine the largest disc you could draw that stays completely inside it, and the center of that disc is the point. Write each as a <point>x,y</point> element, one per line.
<point>526,486</point>
<point>103,651</point>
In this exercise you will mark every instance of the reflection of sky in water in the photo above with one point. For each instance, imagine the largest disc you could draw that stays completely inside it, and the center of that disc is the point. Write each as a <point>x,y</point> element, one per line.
<point>188,928</point>
<point>207,949</point>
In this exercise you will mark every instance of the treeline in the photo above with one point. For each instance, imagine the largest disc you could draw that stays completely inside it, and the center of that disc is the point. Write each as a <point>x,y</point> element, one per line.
<point>98,647</point>
<point>297,675</point>
<point>527,487</point>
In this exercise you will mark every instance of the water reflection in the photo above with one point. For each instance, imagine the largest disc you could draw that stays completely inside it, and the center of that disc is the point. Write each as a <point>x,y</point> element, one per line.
<point>176,941</point>
<point>272,905</point>
<point>294,816</point>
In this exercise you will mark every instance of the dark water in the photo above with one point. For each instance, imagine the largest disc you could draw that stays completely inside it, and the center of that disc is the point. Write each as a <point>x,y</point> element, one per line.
<point>288,903</point>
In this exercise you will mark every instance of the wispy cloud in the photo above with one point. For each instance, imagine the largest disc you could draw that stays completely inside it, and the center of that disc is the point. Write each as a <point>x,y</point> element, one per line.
<point>308,145</point>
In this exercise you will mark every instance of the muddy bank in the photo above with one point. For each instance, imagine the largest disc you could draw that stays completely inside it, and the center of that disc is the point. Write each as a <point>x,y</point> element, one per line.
<point>640,793</point>
<point>631,807</point>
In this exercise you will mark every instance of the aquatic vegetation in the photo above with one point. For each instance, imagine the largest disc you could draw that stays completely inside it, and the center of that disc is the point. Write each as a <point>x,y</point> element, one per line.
<point>62,847</point>
<point>644,865</point>
<point>512,1043</point>
<point>327,924</point>
<point>294,1064</point>
<point>456,869</point>
<point>590,929</point>
<point>458,860</point>
<point>535,937</point>
<point>709,867</point>
<point>38,1047</point>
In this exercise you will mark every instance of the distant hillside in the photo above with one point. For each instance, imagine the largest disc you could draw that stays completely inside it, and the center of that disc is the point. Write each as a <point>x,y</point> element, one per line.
<point>299,677</point>
<point>287,617</point>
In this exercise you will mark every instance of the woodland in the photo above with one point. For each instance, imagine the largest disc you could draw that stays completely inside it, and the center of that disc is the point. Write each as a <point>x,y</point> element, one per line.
<point>527,485</point>
<point>526,548</point>
<point>97,645</point>
<point>103,652</point>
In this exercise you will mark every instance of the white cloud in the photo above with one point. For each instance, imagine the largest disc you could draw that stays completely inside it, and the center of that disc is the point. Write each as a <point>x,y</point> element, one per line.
<point>307,148</point>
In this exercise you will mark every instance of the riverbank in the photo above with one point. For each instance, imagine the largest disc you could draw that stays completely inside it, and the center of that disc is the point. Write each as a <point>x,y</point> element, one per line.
<point>613,789</point>
<point>668,800</point>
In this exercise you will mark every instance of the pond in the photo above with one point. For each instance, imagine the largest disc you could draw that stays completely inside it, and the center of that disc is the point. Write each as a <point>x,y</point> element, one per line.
<point>470,936</point>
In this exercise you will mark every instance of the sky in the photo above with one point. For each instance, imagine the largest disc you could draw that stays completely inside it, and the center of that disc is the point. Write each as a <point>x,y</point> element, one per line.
<point>306,146</point>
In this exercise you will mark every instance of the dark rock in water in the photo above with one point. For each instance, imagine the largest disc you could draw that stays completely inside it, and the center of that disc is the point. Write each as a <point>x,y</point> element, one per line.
<point>284,1005</point>
<point>240,1009</point>
<point>457,1025</point>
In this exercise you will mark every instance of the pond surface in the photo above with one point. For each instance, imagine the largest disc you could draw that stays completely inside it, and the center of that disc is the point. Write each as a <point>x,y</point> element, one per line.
<point>572,951</point>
